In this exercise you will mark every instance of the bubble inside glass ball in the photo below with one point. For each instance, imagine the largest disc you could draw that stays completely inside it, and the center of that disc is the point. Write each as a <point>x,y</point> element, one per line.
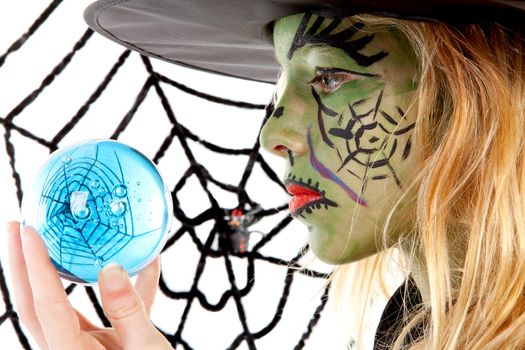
<point>96,202</point>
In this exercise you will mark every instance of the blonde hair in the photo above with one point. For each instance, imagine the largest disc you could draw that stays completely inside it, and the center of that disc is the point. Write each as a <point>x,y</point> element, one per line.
<point>469,229</point>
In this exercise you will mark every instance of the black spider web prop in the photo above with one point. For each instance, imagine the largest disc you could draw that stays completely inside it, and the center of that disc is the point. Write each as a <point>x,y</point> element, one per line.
<point>220,241</point>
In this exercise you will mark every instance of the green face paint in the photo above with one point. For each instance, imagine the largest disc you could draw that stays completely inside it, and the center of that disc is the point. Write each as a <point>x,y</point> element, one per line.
<point>344,124</point>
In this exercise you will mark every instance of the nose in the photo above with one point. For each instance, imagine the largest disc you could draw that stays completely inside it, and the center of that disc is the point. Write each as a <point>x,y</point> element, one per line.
<point>284,132</point>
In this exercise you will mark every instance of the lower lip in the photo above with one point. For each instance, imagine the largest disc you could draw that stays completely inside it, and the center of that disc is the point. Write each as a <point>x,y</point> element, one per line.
<point>299,201</point>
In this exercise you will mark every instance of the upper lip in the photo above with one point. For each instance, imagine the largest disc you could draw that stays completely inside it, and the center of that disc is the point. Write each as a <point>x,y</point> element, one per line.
<point>299,187</point>
<point>296,190</point>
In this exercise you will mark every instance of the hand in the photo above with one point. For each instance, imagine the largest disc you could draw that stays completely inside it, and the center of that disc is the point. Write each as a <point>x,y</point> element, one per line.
<point>45,310</point>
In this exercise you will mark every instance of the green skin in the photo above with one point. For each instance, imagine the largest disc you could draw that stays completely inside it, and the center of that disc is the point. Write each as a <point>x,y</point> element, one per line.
<point>351,229</point>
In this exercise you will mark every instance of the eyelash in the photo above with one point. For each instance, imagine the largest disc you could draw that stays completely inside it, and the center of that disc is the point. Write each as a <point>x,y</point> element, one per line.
<point>322,84</point>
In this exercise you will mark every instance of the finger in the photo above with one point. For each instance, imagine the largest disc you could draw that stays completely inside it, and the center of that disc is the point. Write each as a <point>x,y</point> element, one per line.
<point>108,338</point>
<point>147,283</point>
<point>126,311</point>
<point>57,317</point>
<point>21,287</point>
<point>85,324</point>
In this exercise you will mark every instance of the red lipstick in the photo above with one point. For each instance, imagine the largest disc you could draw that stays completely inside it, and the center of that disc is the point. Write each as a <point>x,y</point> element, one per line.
<point>302,196</point>
<point>306,197</point>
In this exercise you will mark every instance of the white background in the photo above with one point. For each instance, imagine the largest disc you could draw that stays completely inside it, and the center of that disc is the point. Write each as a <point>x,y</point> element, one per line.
<point>230,127</point>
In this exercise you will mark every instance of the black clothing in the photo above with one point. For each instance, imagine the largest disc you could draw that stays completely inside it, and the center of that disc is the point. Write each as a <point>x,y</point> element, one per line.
<point>396,314</point>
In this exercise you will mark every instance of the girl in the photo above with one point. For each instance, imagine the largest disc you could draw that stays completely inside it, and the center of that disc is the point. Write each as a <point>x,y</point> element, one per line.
<point>398,133</point>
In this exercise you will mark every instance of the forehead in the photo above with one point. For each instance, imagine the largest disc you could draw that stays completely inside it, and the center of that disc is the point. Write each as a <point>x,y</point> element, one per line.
<point>348,38</point>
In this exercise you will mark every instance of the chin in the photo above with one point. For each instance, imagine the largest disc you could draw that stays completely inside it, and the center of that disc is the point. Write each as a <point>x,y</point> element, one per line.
<point>340,260</point>
<point>337,253</point>
<point>327,259</point>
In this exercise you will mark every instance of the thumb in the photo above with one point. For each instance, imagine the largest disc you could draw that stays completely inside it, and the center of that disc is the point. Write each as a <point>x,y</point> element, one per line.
<point>125,309</point>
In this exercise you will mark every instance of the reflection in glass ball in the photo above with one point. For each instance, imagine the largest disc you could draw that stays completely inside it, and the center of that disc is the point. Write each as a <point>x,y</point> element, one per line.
<point>96,202</point>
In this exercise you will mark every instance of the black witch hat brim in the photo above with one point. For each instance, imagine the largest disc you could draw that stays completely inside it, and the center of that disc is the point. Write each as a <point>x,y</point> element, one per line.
<point>233,37</point>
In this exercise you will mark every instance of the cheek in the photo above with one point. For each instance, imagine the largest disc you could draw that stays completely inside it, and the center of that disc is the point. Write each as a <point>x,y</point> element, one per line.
<point>371,152</point>
<point>349,233</point>
<point>372,139</point>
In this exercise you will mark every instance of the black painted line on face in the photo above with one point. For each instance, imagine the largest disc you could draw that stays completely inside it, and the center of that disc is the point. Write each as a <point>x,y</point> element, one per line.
<point>340,40</point>
<point>405,130</point>
<point>296,42</point>
<point>408,147</point>
<point>340,120</point>
<point>349,32</point>
<point>398,182</point>
<point>290,157</point>
<point>352,173</point>
<point>316,25</point>
<point>364,115</point>
<point>361,43</point>
<point>332,70</point>
<point>378,103</point>
<point>358,161</point>
<point>351,156</point>
<point>395,123</point>
<point>365,178</point>
<point>331,27</point>
<point>278,112</point>
<point>389,118</point>
<point>358,117</point>
<point>386,162</point>
<point>339,155</point>
<point>348,148</point>
<point>378,163</point>
<point>384,129</point>
<point>393,150</point>
<point>359,102</point>
<point>320,109</point>
<point>328,111</point>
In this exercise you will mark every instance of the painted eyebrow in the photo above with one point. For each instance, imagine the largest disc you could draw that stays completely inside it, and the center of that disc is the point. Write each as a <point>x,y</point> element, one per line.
<point>328,70</point>
<point>344,40</point>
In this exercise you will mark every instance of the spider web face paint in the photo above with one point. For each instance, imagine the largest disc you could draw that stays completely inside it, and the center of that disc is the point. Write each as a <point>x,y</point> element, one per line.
<point>370,141</point>
<point>347,91</point>
<point>97,202</point>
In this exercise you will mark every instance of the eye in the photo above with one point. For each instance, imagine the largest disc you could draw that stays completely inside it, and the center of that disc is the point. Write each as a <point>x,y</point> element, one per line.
<point>330,82</point>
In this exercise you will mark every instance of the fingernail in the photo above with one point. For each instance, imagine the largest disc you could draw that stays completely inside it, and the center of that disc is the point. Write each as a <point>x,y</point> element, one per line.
<point>114,276</point>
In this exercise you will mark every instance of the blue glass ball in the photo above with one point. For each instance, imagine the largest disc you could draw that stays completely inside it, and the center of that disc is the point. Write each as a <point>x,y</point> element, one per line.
<point>96,202</point>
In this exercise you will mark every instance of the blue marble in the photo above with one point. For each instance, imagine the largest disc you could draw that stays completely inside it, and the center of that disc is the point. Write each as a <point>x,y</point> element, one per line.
<point>96,202</point>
